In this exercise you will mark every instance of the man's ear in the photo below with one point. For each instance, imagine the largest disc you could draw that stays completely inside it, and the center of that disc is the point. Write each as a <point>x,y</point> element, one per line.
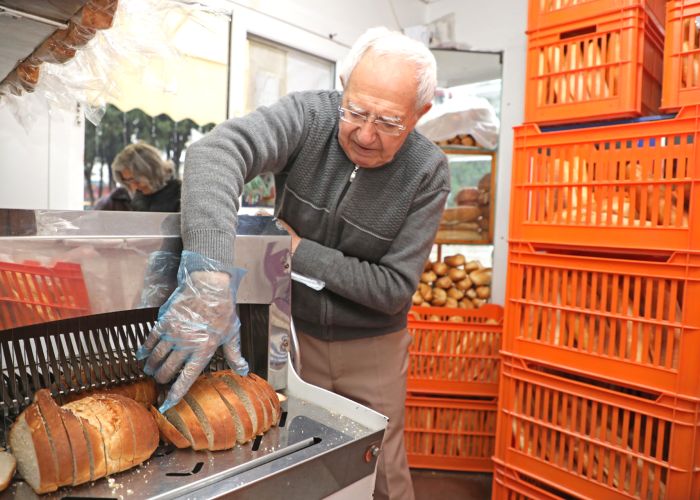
<point>424,110</point>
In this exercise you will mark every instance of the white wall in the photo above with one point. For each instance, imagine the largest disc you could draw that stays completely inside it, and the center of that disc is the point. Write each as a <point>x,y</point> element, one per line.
<point>496,25</point>
<point>41,166</point>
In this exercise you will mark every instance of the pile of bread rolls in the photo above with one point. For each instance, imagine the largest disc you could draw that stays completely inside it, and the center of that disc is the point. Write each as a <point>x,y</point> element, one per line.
<point>459,140</point>
<point>454,282</point>
<point>469,220</point>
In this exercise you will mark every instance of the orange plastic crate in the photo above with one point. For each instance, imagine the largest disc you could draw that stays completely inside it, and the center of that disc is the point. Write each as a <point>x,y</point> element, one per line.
<point>681,83</point>
<point>31,293</point>
<point>631,186</point>
<point>628,320</point>
<point>591,69</point>
<point>455,357</point>
<point>597,440</point>
<point>549,13</point>
<point>450,434</point>
<point>510,483</point>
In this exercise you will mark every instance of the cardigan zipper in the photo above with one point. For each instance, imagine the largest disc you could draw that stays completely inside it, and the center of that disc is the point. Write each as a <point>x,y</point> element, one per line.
<point>332,233</point>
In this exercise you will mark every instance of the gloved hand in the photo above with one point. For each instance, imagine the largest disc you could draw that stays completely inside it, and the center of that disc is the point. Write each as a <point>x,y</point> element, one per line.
<point>198,317</point>
<point>160,278</point>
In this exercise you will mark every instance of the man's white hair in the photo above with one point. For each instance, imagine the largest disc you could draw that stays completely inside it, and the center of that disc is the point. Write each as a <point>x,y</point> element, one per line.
<point>385,42</point>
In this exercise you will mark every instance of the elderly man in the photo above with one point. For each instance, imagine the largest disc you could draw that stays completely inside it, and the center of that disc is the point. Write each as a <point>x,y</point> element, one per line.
<point>361,194</point>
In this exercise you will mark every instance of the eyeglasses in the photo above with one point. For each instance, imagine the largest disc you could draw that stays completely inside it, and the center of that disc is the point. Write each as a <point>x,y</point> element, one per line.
<point>383,127</point>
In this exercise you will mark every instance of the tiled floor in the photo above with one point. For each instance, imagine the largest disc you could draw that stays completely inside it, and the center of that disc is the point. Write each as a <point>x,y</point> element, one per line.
<point>443,485</point>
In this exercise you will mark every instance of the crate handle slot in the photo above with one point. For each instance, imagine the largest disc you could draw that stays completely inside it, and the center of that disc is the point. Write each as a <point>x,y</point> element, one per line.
<point>564,35</point>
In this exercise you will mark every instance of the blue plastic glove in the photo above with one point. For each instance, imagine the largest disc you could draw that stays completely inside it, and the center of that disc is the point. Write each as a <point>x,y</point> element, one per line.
<point>198,317</point>
<point>160,278</point>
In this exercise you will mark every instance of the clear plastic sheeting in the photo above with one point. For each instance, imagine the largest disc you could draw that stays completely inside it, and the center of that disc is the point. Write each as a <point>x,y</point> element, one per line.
<point>461,115</point>
<point>80,64</point>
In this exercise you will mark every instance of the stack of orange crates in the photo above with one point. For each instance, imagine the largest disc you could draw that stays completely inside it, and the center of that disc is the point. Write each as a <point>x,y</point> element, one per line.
<point>33,293</point>
<point>600,384</point>
<point>452,387</point>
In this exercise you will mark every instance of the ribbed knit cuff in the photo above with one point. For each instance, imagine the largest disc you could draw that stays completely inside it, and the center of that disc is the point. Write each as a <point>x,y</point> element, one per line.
<point>311,258</point>
<point>217,245</point>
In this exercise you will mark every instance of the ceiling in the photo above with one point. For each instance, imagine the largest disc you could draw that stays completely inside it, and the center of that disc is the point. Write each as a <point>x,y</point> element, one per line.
<point>19,36</point>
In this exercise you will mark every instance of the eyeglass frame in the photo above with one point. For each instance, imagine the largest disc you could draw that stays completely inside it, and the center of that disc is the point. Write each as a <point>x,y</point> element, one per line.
<point>370,118</point>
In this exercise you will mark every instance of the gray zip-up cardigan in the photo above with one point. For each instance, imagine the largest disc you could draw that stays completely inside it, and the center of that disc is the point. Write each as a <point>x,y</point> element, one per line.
<point>367,237</point>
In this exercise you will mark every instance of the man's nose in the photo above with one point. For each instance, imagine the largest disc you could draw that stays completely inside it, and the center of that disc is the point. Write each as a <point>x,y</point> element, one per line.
<point>367,133</point>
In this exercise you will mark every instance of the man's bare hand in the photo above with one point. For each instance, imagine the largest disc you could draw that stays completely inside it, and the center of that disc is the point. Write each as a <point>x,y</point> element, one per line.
<point>295,237</point>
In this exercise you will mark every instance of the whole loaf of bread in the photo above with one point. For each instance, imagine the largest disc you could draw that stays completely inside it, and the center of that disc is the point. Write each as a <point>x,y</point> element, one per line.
<point>81,441</point>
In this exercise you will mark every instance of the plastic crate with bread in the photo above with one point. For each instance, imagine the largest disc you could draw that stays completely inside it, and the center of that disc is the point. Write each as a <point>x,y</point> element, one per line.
<point>596,438</point>
<point>604,65</point>
<point>631,187</point>
<point>614,317</point>
<point>450,434</point>
<point>681,85</point>
<point>455,351</point>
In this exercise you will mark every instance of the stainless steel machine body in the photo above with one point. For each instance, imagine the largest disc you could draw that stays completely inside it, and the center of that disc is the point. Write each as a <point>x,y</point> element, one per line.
<point>325,444</point>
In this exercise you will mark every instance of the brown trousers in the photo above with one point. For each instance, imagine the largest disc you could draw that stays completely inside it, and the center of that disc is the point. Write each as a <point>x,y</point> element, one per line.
<point>372,372</point>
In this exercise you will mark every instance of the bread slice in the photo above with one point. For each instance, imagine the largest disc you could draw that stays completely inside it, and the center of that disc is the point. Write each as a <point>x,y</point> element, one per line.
<point>256,391</point>
<point>244,426</point>
<point>30,445</point>
<point>96,448</point>
<point>272,396</point>
<point>168,432</point>
<point>144,431</point>
<point>185,421</point>
<point>250,401</point>
<point>8,464</point>
<point>213,413</point>
<point>58,437</point>
<point>78,446</point>
<point>92,428</point>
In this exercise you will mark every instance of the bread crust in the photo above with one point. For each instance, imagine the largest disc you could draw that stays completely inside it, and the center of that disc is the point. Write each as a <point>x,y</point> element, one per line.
<point>58,437</point>
<point>168,432</point>
<point>144,430</point>
<point>143,392</point>
<point>236,407</point>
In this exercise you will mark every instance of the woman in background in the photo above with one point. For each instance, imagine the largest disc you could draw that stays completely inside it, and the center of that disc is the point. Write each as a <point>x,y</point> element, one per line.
<point>148,178</point>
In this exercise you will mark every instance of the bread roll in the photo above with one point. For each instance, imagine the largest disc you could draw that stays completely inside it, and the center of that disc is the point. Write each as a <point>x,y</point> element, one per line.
<point>467,196</point>
<point>455,260</point>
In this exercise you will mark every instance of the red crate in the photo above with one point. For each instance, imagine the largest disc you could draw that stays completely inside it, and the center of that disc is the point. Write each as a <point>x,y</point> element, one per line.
<point>32,293</point>
<point>681,83</point>
<point>548,13</point>
<point>599,440</point>
<point>450,434</point>
<point>510,483</point>
<point>629,320</point>
<point>631,186</point>
<point>600,68</point>
<point>457,355</point>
